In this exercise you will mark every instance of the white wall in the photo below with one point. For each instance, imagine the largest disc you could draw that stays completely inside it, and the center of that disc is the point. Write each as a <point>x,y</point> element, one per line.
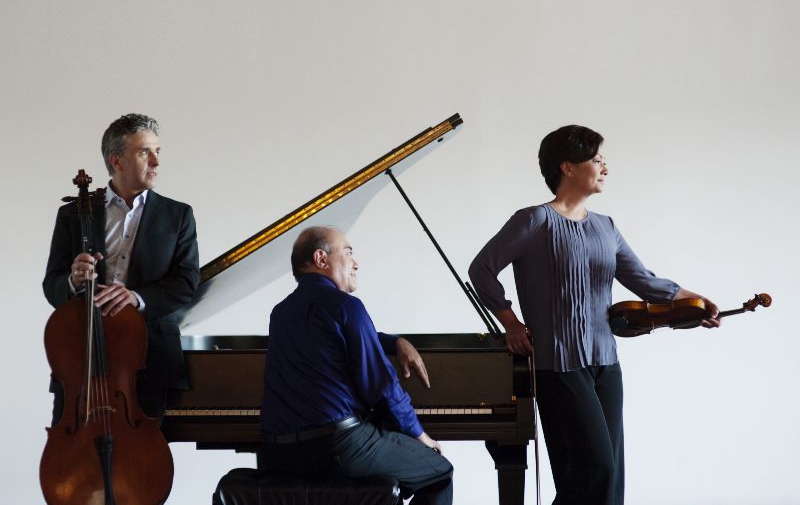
<point>264,104</point>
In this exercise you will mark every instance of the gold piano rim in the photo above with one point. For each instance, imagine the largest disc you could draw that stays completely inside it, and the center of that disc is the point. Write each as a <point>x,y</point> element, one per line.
<point>328,197</point>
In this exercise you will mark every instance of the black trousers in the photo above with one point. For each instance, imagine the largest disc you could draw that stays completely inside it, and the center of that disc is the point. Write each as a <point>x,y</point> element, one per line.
<point>366,450</point>
<point>581,413</point>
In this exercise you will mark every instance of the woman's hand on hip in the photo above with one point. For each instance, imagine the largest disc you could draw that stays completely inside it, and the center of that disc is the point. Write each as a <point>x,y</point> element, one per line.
<point>518,337</point>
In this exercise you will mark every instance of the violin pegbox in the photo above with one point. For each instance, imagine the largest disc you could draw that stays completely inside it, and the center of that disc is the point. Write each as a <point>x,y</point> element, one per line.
<point>762,299</point>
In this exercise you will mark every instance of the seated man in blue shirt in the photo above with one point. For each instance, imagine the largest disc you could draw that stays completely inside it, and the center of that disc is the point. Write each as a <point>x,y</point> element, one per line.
<point>327,371</point>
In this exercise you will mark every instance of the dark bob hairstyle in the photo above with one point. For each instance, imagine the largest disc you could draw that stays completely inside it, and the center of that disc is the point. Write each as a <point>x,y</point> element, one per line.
<point>572,143</point>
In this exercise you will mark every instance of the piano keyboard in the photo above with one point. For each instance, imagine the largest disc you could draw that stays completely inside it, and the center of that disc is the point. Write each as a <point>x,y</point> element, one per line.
<point>257,412</point>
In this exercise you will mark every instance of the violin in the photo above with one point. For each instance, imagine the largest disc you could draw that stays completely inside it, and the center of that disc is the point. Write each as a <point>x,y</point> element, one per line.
<point>631,319</point>
<point>104,450</point>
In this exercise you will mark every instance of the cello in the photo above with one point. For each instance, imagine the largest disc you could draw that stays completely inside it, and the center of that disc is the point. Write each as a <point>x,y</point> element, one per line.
<point>631,319</point>
<point>103,450</point>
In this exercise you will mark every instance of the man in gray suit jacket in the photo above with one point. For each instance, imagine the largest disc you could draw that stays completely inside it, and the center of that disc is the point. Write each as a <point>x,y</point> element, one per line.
<point>144,255</point>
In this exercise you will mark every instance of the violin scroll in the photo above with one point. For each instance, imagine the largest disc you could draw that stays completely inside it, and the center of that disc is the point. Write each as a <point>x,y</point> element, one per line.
<point>762,299</point>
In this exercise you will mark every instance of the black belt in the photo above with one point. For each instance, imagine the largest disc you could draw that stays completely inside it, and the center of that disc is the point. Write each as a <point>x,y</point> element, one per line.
<point>301,436</point>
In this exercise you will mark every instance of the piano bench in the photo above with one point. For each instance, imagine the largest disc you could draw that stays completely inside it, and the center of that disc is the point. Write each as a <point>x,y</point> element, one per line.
<point>247,486</point>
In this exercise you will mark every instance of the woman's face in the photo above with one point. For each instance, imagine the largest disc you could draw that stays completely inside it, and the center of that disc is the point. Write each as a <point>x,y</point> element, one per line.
<point>589,176</point>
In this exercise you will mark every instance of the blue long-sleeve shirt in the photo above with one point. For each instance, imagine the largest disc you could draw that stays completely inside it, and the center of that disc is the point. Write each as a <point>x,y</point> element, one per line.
<point>563,271</point>
<point>326,363</point>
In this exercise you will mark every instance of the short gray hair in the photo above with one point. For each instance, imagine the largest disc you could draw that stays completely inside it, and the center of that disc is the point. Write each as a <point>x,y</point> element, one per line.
<point>307,243</point>
<point>113,142</point>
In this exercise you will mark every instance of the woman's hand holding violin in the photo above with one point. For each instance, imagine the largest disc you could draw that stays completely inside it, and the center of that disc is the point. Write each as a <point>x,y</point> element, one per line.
<point>713,311</point>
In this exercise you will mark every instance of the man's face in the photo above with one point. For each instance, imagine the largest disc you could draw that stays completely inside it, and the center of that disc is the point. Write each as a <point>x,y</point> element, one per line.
<point>341,267</point>
<point>137,168</point>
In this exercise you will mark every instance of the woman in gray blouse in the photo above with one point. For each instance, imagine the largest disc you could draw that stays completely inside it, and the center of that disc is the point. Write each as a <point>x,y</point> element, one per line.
<point>565,259</point>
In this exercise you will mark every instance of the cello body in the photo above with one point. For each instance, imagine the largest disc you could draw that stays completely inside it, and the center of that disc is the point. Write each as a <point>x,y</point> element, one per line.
<point>72,469</point>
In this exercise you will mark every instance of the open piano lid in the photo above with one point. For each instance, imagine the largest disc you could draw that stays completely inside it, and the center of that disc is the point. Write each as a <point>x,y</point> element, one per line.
<point>264,257</point>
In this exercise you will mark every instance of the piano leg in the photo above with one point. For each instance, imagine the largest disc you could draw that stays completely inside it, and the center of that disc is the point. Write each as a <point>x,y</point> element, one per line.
<point>511,461</point>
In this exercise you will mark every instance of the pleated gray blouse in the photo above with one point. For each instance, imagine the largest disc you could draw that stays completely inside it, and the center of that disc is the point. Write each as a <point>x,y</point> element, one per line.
<point>563,270</point>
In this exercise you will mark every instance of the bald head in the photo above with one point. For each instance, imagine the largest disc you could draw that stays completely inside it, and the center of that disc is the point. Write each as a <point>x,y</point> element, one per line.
<point>326,251</point>
<point>309,240</point>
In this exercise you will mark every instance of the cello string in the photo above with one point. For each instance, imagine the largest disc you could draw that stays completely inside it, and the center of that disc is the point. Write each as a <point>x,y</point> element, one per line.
<point>98,406</point>
<point>106,405</point>
<point>89,290</point>
<point>101,385</point>
<point>95,394</point>
<point>99,365</point>
<point>100,390</point>
<point>102,367</point>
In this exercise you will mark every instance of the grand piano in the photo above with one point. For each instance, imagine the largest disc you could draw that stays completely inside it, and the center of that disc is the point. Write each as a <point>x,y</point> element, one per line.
<point>478,390</point>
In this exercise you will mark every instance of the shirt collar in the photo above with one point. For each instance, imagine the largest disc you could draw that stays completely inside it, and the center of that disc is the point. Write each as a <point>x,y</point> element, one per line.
<point>315,278</point>
<point>112,196</point>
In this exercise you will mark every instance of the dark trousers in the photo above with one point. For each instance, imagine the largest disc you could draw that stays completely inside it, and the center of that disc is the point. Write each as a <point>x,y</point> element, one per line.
<point>366,450</point>
<point>581,413</point>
